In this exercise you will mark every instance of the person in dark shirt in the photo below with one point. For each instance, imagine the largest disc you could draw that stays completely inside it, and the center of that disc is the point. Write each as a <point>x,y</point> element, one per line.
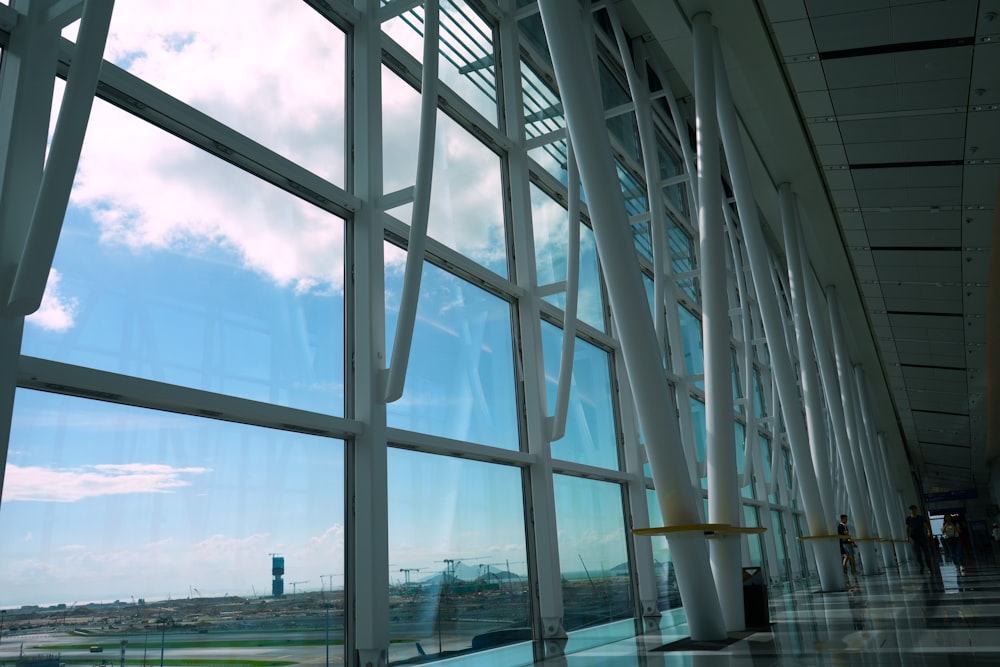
<point>918,530</point>
<point>847,546</point>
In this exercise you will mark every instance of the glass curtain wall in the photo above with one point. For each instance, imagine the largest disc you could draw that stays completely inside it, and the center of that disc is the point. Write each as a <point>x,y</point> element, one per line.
<point>182,463</point>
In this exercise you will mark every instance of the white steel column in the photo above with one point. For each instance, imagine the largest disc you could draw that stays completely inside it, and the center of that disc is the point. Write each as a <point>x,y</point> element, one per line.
<point>894,506</point>
<point>877,481</point>
<point>10,349</point>
<point>367,544</point>
<point>826,553</point>
<point>27,77</point>
<point>543,541</point>
<point>862,503</point>
<point>720,456</point>
<point>812,391</point>
<point>627,297</point>
<point>636,489</point>
<point>832,388</point>
<point>52,196</point>
<point>862,459</point>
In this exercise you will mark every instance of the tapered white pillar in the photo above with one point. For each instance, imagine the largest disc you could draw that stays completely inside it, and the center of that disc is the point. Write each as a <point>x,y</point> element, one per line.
<point>877,481</point>
<point>825,549</point>
<point>677,497</point>
<point>720,455</point>
<point>812,392</point>
<point>833,388</point>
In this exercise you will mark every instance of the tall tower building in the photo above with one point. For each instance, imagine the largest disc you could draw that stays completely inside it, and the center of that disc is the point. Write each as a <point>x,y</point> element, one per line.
<point>277,572</point>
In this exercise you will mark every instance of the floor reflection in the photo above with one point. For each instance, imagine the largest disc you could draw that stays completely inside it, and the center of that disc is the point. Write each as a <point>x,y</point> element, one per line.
<point>897,617</point>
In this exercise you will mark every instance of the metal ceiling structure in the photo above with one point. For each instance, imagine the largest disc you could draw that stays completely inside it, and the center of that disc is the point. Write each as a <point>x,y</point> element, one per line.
<point>884,115</point>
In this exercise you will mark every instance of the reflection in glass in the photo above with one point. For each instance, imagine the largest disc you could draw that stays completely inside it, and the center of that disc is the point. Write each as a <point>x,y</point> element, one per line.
<point>466,206</point>
<point>154,527</point>
<point>682,258</point>
<point>460,378</point>
<point>700,435</point>
<point>457,553</point>
<point>778,526</point>
<point>671,165</point>
<point>593,554</point>
<point>751,520</point>
<point>467,63</point>
<point>549,223</point>
<point>668,595</point>
<point>590,422</point>
<point>800,545</point>
<point>765,455</point>
<point>747,490</point>
<point>175,266</point>
<point>205,59</point>
<point>694,346</point>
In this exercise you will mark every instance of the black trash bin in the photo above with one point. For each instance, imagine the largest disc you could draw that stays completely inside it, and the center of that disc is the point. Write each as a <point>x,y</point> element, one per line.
<point>755,604</point>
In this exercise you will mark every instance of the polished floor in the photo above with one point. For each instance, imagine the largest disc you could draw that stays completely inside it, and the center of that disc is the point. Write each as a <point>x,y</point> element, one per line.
<point>893,618</point>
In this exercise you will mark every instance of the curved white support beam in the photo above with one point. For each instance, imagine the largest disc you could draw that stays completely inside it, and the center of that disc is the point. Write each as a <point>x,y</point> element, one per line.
<point>558,423</point>
<point>417,243</point>
<point>64,156</point>
<point>679,501</point>
<point>827,557</point>
<point>812,392</point>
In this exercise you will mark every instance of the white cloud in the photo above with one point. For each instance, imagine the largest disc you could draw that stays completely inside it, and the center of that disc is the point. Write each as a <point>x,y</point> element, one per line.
<point>146,189</point>
<point>57,312</point>
<point>42,484</point>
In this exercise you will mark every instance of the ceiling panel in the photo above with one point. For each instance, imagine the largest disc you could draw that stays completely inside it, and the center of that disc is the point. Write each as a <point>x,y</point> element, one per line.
<point>921,196</point>
<point>985,65</point>
<point>837,32</point>
<point>916,237</point>
<point>928,64</point>
<point>904,221</point>
<point>825,8</point>
<point>794,37</point>
<point>980,183</point>
<point>807,75</point>
<point>901,97</point>
<point>815,104</point>
<point>934,20</point>
<point>943,380</point>
<point>785,10</point>
<point>825,133</point>
<point>928,150</point>
<point>896,127</point>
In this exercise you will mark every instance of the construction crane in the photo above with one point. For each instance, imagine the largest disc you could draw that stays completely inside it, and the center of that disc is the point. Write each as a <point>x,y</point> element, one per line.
<point>293,584</point>
<point>406,573</point>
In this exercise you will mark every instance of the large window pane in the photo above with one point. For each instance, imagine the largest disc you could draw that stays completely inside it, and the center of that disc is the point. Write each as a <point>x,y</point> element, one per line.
<point>549,224</point>
<point>175,266</point>
<point>457,555</point>
<point>590,422</point>
<point>158,528</point>
<point>271,61</point>
<point>460,379</point>
<point>465,48</point>
<point>466,206</point>
<point>593,555</point>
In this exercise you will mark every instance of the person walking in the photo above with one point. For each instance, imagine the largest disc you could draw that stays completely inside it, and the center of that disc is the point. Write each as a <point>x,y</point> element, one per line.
<point>848,548</point>
<point>918,530</point>
<point>952,533</point>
